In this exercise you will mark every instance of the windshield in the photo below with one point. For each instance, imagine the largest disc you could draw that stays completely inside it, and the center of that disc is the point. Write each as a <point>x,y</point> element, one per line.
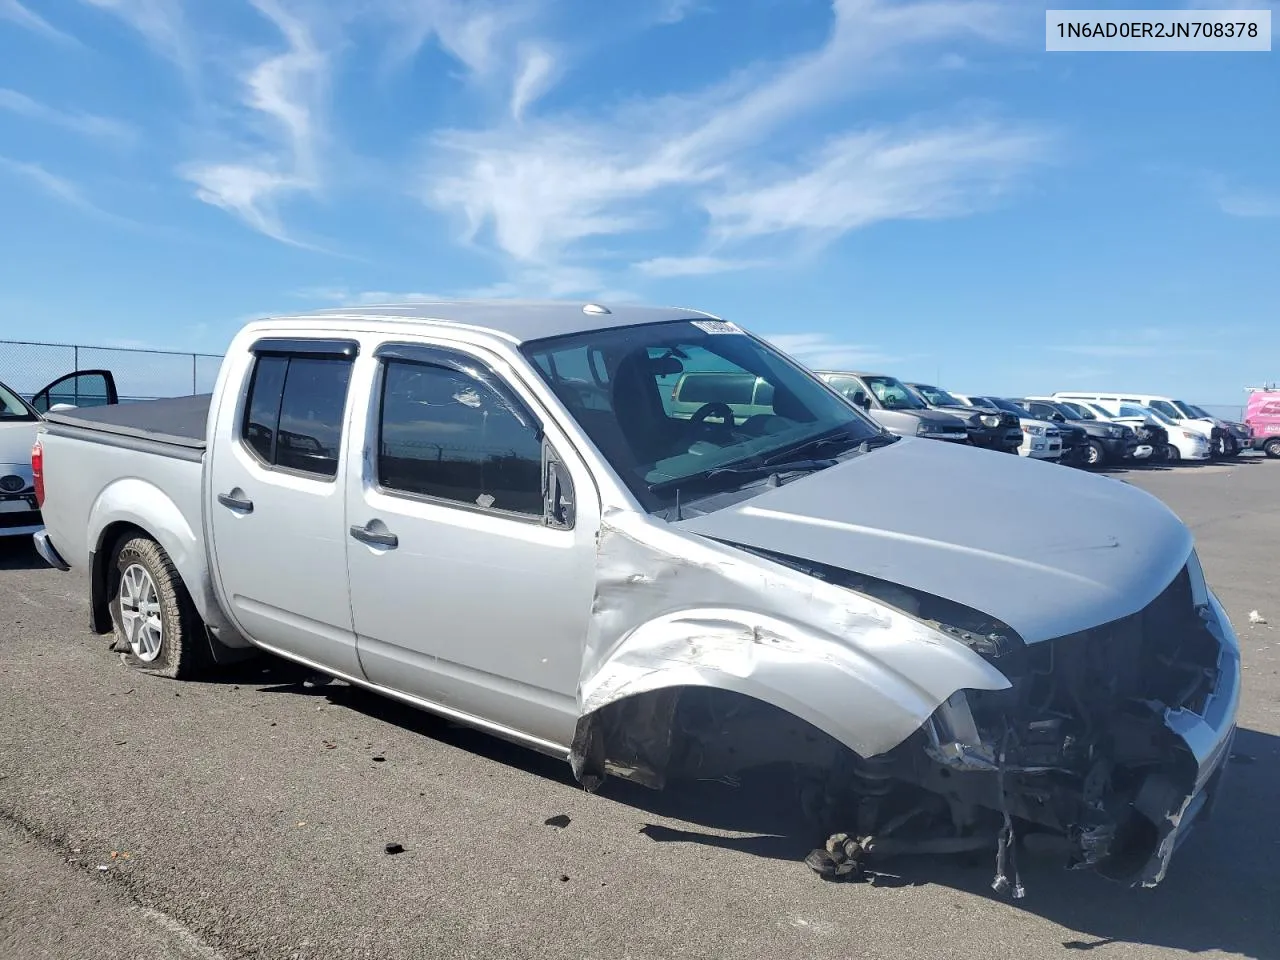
<point>1186,409</point>
<point>1008,406</point>
<point>1132,410</point>
<point>1081,411</point>
<point>939,398</point>
<point>1152,412</point>
<point>13,407</point>
<point>669,401</point>
<point>893,393</point>
<point>1198,412</point>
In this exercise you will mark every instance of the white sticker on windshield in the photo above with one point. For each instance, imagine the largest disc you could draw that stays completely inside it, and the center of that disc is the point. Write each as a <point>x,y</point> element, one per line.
<point>717,326</point>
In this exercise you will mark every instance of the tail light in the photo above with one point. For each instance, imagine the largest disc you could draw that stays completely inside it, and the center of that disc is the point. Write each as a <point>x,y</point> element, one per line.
<point>37,472</point>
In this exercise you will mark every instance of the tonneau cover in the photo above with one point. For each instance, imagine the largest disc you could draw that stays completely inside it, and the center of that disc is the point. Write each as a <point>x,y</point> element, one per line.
<point>180,421</point>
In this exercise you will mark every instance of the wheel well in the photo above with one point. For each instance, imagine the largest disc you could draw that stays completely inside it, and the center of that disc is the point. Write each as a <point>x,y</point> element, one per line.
<point>102,571</point>
<point>691,732</point>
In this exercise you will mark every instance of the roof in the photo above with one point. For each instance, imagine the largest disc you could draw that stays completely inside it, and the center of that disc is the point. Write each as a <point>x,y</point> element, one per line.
<point>851,373</point>
<point>516,320</point>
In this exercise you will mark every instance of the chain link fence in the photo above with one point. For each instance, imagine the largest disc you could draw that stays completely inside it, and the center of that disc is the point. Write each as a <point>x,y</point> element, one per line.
<point>27,366</point>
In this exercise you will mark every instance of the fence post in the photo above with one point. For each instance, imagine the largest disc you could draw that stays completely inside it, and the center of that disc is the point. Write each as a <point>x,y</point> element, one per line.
<point>193,374</point>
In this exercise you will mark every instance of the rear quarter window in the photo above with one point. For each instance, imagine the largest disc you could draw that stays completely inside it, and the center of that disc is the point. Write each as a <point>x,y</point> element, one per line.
<point>295,409</point>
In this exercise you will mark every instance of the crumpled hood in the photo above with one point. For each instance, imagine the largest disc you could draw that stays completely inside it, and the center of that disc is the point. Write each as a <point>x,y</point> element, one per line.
<point>16,440</point>
<point>1044,548</point>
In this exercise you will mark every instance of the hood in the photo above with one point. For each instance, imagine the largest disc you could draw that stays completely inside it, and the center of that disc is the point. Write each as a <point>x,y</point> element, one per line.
<point>16,440</point>
<point>1046,550</point>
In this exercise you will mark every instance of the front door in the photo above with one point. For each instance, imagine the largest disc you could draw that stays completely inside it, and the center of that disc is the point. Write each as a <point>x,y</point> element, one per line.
<point>83,388</point>
<point>471,568</point>
<point>276,499</point>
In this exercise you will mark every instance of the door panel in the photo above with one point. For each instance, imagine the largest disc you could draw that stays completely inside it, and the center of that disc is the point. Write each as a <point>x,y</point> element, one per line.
<point>277,502</point>
<point>480,605</point>
<point>83,388</point>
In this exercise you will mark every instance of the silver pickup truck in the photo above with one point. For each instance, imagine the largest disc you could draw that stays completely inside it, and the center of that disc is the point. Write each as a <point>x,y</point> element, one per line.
<point>488,510</point>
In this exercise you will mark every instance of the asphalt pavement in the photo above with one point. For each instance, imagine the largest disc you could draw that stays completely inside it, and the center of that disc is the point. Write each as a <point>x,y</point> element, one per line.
<point>250,817</point>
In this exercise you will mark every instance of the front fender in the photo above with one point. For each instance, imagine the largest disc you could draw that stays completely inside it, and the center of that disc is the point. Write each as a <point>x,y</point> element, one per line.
<point>806,672</point>
<point>675,610</point>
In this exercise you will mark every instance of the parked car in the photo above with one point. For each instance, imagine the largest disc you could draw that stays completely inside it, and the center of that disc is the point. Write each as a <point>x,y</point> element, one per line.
<point>1235,437</point>
<point>889,402</point>
<point>1180,443</point>
<point>1174,409</point>
<point>1041,439</point>
<point>1075,442</point>
<point>997,430</point>
<point>1106,443</point>
<point>1262,414</point>
<point>411,499</point>
<point>19,420</point>
<point>1141,425</point>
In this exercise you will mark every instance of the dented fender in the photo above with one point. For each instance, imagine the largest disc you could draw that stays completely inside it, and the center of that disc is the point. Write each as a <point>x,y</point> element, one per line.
<point>673,610</point>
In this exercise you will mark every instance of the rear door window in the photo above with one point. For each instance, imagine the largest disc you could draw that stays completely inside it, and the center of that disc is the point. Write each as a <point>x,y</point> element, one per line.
<point>295,412</point>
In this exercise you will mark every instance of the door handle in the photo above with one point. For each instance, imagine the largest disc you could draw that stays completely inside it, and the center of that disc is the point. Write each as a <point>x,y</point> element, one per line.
<point>235,503</point>
<point>365,535</point>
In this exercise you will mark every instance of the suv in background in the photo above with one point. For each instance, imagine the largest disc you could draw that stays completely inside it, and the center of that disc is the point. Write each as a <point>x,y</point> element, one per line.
<point>1174,409</point>
<point>993,429</point>
<point>1041,439</point>
<point>1105,443</point>
<point>889,402</point>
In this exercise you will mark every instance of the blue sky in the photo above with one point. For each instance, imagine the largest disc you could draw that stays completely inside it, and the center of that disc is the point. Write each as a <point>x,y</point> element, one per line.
<point>911,186</point>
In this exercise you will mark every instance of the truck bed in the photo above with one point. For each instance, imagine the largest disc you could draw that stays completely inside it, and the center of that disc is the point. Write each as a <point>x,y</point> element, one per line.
<point>174,426</point>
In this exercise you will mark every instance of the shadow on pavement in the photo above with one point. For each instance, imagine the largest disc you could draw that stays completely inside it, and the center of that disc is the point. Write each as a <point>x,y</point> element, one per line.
<point>1221,893</point>
<point>18,553</point>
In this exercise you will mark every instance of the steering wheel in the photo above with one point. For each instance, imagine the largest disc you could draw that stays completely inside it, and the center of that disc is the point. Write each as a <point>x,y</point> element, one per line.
<point>714,408</point>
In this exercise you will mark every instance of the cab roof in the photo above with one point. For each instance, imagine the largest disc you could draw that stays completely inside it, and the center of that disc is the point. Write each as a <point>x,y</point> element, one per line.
<point>518,321</point>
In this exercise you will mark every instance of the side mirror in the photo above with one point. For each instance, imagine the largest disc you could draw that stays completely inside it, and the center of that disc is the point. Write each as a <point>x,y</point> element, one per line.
<point>1057,418</point>
<point>558,493</point>
<point>57,407</point>
<point>861,399</point>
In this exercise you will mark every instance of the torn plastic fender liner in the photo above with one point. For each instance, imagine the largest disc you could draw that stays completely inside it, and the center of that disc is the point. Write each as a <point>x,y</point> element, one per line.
<point>675,610</point>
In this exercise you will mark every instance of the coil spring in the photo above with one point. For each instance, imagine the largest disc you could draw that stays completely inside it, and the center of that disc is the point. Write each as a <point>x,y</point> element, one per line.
<point>872,777</point>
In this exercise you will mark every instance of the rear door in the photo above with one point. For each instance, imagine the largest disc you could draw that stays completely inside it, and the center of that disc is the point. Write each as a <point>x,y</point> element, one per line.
<point>83,388</point>
<point>276,503</point>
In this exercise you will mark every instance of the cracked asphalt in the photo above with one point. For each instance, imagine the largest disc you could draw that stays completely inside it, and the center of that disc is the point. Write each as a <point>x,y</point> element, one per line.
<point>249,818</point>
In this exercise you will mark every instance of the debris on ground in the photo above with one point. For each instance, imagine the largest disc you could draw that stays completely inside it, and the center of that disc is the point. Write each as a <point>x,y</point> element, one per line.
<point>379,759</point>
<point>564,878</point>
<point>1256,617</point>
<point>560,820</point>
<point>1243,758</point>
<point>394,848</point>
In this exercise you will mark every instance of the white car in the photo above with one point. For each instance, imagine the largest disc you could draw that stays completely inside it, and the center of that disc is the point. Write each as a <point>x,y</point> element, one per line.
<point>19,422</point>
<point>1170,409</point>
<point>1092,411</point>
<point>1041,440</point>
<point>1184,443</point>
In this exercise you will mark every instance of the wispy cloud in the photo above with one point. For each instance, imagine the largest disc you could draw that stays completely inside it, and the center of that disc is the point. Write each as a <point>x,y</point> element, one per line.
<point>537,71</point>
<point>341,296</point>
<point>537,189</point>
<point>15,12</point>
<point>693,266</point>
<point>821,351</point>
<point>864,178</point>
<point>161,23</point>
<point>673,11</point>
<point>1249,203</point>
<point>84,123</point>
<point>284,91</point>
<point>1134,351</point>
<point>60,188</point>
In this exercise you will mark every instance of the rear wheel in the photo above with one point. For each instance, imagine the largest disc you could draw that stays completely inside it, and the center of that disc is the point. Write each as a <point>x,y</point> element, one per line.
<point>157,627</point>
<point>1272,448</point>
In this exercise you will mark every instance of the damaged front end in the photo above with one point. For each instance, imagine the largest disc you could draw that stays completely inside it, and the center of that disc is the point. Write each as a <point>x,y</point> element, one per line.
<point>1104,750</point>
<point>916,723</point>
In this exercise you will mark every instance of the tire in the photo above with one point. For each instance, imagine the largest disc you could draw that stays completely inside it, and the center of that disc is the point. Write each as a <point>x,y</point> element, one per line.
<point>1172,453</point>
<point>1094,455</point>
<point>1272,448</point>
<point>144,578</point>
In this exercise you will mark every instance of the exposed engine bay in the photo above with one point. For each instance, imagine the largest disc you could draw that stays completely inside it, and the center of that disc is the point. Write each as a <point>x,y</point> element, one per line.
<point>1077,758</point>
